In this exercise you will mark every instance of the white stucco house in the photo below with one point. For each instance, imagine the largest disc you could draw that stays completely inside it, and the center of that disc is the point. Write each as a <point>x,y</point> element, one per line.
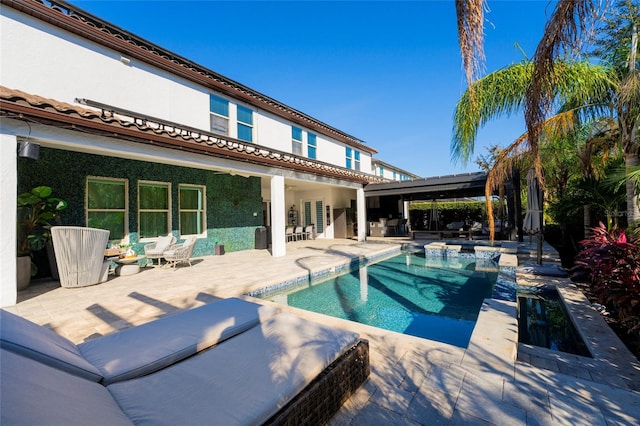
<point>390,172</point>
<point>144,142</point>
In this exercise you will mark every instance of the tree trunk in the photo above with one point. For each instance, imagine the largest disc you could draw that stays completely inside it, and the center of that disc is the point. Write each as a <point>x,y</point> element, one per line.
<point>587,220</point>
<point>633,213</point>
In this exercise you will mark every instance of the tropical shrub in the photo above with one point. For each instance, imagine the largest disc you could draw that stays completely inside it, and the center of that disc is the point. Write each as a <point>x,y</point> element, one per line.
<point>610,261</point>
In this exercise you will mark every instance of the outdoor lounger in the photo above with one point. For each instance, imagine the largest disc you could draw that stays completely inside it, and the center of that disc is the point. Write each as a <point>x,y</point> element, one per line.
<point>281,369</point>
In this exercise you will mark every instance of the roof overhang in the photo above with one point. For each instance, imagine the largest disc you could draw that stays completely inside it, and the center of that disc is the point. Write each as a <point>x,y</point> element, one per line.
<point>433,188</point>
<point>19,105</point>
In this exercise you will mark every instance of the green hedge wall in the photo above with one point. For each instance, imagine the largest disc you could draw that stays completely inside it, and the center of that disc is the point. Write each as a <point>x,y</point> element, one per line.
<point>231,200</point>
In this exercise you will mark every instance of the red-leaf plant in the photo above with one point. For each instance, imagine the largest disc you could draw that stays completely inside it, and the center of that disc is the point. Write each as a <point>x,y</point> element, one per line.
<point>610,260</point>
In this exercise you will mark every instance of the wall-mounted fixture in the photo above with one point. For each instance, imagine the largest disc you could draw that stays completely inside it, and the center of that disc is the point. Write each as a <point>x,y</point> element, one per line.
<point>28,149</point>
<point>125,60</point>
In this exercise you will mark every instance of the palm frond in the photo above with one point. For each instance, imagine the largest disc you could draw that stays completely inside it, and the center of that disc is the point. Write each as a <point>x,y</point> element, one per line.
<point>500,93</point>
<point>585,87</point>
<point>470,17</point>
<point>563,30</point>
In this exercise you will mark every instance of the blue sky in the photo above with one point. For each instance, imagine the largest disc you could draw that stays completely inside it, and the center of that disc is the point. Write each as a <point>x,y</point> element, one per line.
<point>388,73</point>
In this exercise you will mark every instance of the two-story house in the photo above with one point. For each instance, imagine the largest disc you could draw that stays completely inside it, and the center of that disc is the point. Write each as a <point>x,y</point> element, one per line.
<point>143,142</point>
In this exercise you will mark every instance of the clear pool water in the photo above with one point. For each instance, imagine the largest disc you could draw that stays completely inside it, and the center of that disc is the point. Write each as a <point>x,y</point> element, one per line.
<point>427,297</point>
<point>543,321</point>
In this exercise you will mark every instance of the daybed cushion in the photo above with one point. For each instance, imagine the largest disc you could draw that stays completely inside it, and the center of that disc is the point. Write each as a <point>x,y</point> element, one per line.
<point>32,393</point>
<point>41,344</point>
<point>243,381</point>
<point>146,348</point>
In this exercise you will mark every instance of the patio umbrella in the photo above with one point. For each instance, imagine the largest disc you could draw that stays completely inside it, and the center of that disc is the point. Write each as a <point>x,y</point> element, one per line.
<point>533,218</point>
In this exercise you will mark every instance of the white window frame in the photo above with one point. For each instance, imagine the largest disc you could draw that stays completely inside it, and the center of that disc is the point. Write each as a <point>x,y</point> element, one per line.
<point>219,116</point>
<point>125,239</point>
<point>296,144</point>
<point>151,182</point>
<point>313,146</point>
<point>202,211</point>
<point>243,123</point>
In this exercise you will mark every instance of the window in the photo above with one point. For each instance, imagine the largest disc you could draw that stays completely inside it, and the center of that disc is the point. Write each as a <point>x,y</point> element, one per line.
<point>381,171</point>
<point>153,209</point>
<point>296,140</point>
<point>192,210</point>
<point>219,115</point>
<point>311,146</point>
<point>353,159</point>
<point>394,175</point>
<point>107,206</point>
<point>245,124</point>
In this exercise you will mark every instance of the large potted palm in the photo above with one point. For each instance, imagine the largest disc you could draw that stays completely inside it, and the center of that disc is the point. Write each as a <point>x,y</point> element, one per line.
<point>37,212</point>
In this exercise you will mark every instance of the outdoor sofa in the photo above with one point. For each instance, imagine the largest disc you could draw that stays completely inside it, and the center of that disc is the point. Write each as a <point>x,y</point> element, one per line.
<point>228,362</point>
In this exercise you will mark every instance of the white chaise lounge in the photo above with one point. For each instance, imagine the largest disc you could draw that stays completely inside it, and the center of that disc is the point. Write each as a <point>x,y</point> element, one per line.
<point>282,369</point>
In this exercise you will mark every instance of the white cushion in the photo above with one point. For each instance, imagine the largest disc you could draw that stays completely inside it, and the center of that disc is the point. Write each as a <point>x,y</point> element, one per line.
<point>32,393</point>
<point>146,348</point>
<point>163,243</point>
<point>243,381</point>
<point>41,344</point>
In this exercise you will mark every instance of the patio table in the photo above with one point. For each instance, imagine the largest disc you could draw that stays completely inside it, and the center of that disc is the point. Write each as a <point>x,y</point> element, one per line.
<point>128,265</point>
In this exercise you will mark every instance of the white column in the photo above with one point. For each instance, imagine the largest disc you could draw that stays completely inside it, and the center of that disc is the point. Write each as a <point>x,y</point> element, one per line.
<point>405,215</point>
<point>278,213</point>
<point>364,283</point>
<point>362,214</point>
<point>8,197</point>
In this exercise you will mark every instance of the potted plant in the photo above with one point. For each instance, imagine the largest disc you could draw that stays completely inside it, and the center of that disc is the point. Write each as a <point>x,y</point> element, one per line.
<point>37,210</point>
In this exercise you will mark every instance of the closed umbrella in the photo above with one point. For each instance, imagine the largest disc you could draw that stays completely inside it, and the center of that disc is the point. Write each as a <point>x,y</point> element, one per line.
<point>533,218</point>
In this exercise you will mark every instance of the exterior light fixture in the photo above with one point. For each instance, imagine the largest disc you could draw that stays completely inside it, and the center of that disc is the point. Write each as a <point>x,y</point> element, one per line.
<point>125,60</point>
<point>29,150</point>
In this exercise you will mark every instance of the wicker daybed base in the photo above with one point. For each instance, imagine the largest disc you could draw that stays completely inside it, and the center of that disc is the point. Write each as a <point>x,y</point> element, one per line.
<point>323,397</point>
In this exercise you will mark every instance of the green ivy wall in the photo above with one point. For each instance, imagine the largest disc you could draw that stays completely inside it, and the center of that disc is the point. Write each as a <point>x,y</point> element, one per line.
<point>231,200</point>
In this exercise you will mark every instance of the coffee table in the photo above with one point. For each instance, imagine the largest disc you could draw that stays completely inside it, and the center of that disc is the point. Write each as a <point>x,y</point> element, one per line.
<point>128,265</point>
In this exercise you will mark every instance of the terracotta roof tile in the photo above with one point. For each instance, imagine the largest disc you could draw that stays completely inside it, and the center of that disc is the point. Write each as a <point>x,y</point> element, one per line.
<point>71,18</point>
<point>165,134</point>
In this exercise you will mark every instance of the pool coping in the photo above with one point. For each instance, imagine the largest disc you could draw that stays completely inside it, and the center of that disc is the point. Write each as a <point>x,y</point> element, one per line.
<point>496,331</point>
<point>320,273</point>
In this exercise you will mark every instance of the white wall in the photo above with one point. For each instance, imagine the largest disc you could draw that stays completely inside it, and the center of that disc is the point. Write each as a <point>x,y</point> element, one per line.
<point>43,60</point>
<point>8,183</point>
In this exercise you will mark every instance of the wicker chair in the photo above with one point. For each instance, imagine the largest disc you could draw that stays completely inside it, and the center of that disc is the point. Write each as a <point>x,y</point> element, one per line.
<point>80,255</point>
<point>179,253</point>
<point>156,250</point>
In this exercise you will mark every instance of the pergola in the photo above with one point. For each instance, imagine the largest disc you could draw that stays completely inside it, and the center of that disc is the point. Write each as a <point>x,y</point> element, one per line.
<point>459,186</point>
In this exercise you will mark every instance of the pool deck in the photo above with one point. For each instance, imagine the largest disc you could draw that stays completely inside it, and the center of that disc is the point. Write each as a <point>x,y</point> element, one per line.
<point>413,381</point>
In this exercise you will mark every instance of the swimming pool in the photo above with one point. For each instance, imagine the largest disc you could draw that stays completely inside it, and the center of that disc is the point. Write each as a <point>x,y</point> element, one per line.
<point>430,297</point>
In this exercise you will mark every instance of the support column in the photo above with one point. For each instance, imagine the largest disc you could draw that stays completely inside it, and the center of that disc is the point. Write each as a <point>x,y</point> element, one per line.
<point>278,213</point>
<point>362,214</point>
<point>8,197</point>
<point>405,214</point>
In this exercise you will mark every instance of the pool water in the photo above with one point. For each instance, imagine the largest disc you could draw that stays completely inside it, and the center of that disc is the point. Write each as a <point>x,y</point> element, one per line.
<point>543,321</point>
<point>432,298</point>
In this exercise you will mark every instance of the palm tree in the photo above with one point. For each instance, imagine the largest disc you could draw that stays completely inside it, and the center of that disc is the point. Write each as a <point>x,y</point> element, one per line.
<point>504,92</point>
<point>618,47</point>
<point>564,30</point>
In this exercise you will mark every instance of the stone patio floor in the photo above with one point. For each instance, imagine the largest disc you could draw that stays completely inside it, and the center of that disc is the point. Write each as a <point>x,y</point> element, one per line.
<point>413,381</point>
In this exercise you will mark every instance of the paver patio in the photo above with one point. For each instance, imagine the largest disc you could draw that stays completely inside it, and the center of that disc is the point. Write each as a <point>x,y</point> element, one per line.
<point>413,380</point>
